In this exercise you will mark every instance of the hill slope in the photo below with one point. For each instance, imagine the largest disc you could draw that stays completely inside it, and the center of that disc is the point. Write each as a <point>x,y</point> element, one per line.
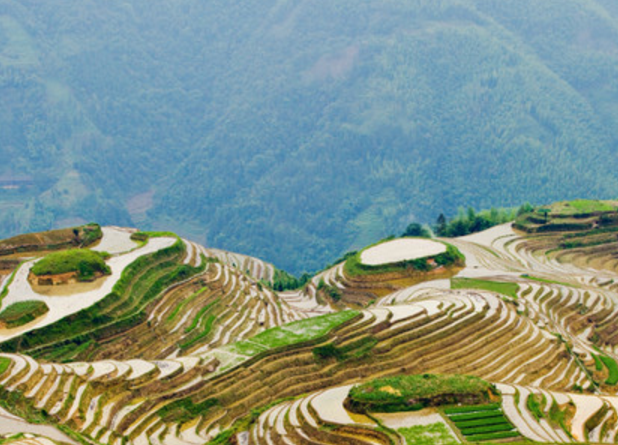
<point>192,346</point>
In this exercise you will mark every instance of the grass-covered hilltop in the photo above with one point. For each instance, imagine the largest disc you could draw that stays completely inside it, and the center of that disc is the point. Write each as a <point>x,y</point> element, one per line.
<point>504,335</point>
<point>83,264</point>
<point>415,392</point>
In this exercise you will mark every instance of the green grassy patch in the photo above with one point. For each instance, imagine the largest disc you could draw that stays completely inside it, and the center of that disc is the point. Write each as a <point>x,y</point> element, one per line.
<point>83,261</point>
<point>303,330</point>
<point>612,367</point>
<point>434,434</point>
<point>144,235</point>
<point>292,333</point>
<point>22,312</point>
<point>586,206</point>
<point>581,215</point>
<point>545,280</point>
<point>509,289</point>
<point>4,364</point>
<point>412,392</point>
<point>245,347</point>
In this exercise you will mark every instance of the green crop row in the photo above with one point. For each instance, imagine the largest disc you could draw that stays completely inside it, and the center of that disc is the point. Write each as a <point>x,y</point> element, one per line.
<point>184,302</point>
<point>504,426</point>
<point>474,416</point>
<point>509,289</point>
<point>492,436</point>
<point>199,316</point>
<point>472,409</point>
<point>207,328</point>
<point>481,422</point>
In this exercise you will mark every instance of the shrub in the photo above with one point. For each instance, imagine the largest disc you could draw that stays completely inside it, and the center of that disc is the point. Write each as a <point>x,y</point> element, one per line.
<point>332,291</point>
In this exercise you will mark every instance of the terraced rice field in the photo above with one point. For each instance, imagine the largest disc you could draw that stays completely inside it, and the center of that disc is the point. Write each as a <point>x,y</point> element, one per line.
<point>401,250</point>
<point>197,347</point>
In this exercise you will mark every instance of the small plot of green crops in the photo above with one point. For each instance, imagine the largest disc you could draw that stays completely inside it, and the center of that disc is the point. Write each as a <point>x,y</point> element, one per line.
<point>587,206</point>
<point>433,434</point>
<point>292,333</point>
<point>509,289</point>
<point>482,422</point>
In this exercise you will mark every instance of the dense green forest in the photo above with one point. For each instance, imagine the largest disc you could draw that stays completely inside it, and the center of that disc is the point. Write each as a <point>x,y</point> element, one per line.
<point>313,127</point>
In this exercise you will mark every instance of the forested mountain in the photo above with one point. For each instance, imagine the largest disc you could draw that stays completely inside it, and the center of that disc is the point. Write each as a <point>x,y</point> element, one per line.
<point>313,127</point>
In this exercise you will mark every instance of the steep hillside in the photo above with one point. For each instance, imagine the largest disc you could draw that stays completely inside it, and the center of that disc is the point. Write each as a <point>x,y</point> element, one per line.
<point>497,336</point>
<point>300,130</point>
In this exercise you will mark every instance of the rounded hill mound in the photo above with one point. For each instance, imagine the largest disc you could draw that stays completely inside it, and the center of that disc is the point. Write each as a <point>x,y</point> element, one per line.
<point>74,264</point>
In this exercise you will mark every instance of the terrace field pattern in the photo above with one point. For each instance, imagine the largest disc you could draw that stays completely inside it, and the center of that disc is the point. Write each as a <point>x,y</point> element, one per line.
<point>184,344</point>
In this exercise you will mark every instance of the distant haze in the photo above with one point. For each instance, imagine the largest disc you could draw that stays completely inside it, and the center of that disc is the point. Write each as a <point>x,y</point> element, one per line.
<point>297,130</point>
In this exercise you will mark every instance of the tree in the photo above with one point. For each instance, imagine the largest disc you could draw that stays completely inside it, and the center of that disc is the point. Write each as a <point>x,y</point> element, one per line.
<point>441,225</point>
<point>546,213</point>
<point>525,208</point>
<point>416,229</point>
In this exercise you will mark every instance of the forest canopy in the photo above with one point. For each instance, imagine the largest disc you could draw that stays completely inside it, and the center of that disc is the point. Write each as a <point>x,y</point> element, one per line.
<point>296,131</point>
